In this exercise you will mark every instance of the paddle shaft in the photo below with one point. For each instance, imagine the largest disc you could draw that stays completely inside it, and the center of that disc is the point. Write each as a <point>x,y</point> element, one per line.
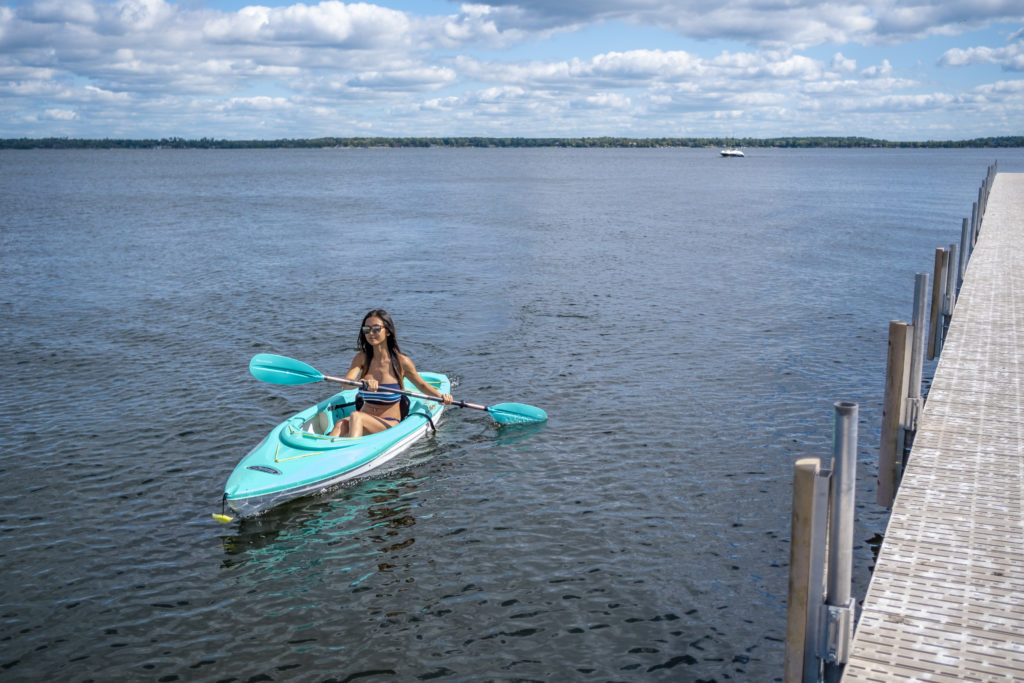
<point>362,385</point>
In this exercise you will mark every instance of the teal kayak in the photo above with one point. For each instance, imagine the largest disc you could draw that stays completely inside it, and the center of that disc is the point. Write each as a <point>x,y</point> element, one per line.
<point>297,459</point>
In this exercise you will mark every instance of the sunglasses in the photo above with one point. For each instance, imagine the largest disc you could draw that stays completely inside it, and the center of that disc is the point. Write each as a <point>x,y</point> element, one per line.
<point>375,329</point>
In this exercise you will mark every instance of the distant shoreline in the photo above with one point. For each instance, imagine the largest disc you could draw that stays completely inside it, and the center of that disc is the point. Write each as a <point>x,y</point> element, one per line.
<point>513,142</point>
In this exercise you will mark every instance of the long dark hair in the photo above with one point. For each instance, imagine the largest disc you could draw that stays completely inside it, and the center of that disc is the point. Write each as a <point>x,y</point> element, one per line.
<point>392,341</point>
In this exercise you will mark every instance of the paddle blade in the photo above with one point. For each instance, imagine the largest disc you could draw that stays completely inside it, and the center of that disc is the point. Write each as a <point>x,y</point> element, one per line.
<point>516,413</point>
<point>282,370</point>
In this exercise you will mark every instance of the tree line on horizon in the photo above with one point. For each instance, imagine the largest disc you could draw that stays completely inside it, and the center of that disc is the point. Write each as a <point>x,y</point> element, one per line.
<point>585,142</point>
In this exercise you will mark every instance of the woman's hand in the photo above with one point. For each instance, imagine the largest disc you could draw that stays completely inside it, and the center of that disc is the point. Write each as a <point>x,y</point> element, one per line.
<point>371,384</point>
<point>446,399</point>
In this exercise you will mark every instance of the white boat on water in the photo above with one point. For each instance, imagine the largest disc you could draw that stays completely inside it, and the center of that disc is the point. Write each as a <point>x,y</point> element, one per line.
<point>734,152</point>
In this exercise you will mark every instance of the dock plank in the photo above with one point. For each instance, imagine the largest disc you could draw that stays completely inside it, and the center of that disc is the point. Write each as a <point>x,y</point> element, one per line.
<point>946,600</point>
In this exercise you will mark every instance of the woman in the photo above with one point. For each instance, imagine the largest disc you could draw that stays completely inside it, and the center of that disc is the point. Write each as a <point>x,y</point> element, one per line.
<point>383,366</point>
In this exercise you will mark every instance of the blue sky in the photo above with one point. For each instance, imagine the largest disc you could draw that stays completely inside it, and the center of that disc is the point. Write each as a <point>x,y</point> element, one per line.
<point>893,69</point>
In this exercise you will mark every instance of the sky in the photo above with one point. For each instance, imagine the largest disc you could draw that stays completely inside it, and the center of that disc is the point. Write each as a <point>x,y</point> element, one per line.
<point>236,70</point>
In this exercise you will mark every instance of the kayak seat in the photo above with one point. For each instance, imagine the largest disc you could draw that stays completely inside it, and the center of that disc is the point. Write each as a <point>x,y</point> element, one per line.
<point>321,423</point>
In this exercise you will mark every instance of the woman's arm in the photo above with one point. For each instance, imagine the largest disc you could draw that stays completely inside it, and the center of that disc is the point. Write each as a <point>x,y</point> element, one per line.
<point>355,371</point>
<point>409,370</point>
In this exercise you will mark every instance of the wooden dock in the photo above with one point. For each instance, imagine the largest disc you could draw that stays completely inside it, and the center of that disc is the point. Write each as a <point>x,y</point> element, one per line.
<point>946,601</point>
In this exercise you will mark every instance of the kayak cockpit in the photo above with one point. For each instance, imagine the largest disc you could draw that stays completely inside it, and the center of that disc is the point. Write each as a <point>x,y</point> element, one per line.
<point>310,432</point>
<point>324,419</point>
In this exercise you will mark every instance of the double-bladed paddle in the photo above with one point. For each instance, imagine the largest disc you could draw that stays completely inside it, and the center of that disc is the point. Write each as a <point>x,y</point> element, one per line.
<point>283,370</point>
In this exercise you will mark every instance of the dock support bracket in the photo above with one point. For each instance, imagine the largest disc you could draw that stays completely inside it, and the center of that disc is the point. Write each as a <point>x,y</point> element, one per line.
<point>913,414</point>
<point>838,621</point>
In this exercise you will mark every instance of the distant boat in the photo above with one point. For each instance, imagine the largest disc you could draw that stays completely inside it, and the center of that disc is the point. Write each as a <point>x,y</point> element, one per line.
<point>734,152</point>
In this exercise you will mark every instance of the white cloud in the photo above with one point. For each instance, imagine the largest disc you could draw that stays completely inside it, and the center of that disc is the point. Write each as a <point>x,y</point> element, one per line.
<point>500,94</point>
<point>1002,89</point>
<point>92,94</point>
<point>141,15</point>
<point>796,66</point>
<point>512,72</point>
<point>60,114</point>
<point>832,86</point>
<point>409,78</point>
<point>1010,57</point>
<point>841,63</point>
<point>643,68</point>
<point>259,103</point>
<point>492,26</point>
<point>329,23</point>
<point>441,103</point>
<point>606,100</point>
<point>642,64</point>
<point>879,71</point>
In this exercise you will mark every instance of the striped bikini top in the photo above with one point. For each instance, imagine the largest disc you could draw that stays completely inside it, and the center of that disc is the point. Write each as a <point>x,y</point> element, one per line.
<point>381,397</point>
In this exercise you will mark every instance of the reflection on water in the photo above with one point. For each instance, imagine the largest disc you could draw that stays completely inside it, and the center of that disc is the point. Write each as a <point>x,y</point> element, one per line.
<point>370,510</point>
<point>509,435</point>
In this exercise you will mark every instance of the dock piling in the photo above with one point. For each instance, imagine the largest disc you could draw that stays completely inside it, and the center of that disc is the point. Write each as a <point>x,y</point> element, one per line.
<point>890,451</point>
<point>965,252</point>
<point>913,406</point>
<point>974,225</point>
<point>806,570</point>
<point>838,613</point>
<point>938,296</point>
<point>951,283</point>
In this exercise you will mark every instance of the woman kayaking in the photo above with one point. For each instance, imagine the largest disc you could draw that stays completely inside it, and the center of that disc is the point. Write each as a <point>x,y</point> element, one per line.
<point>383,366</point>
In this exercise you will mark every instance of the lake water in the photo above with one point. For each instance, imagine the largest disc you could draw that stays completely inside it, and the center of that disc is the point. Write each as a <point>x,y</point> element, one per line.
<point>686,321</point>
